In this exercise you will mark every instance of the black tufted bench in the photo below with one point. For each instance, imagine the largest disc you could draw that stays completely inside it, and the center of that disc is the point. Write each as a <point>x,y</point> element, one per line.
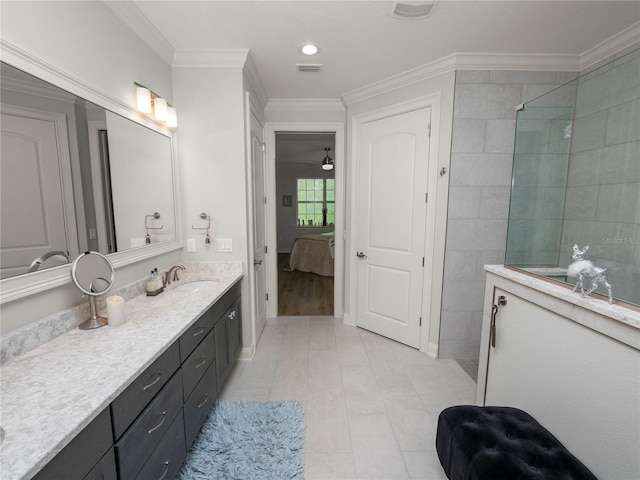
<point>501,443</point>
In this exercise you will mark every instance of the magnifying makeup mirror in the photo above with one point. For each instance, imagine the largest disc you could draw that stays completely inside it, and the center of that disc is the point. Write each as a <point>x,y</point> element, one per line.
<point>93,274</point>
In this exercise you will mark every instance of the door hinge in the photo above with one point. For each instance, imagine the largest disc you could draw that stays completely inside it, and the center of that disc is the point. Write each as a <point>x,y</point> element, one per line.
<point>264,145</point>
<point>420,321</point>
<point>266,297</point>
<point>265,249</point>
<point>265,199</point>
<point>429,129</point>
<point>423,261</point>
<point>426,198</point>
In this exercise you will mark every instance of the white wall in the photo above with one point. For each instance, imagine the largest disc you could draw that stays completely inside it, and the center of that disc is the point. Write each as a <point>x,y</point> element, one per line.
<point>87,41</point>
<point>213,165</point>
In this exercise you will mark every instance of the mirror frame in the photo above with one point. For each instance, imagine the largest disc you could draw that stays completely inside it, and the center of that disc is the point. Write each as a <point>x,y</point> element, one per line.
<point>27,284</point>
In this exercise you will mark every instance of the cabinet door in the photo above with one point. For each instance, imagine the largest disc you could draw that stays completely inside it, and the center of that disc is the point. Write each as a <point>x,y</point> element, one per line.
<point>198,362</point>
<point>165,461</point>
<point>83,452</point>
<point>198,405</point>
<point>223,364</point>
<point>234,325</point>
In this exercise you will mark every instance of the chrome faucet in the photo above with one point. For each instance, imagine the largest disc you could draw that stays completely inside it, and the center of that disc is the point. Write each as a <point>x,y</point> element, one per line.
<point>35,265</point>
<point>172,274</point>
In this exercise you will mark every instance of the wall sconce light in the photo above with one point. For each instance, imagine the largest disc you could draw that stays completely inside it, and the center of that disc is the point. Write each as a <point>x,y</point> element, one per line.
<point>149,102</point>
<point>327,162</point>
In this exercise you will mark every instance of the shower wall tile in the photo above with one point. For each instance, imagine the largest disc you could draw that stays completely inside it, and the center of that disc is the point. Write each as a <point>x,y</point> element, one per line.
<point>473,76</point>
<point>500,136</point>
<point>494,202</point>
<point>623,123</point>
<point>480,170</point>
<point>486,100</point>
<point>472,135</point>
<point>589,132</point>
<point>480,179</point>
<point>581,203</point>
<point>465,202</point>
<point>514,76</point>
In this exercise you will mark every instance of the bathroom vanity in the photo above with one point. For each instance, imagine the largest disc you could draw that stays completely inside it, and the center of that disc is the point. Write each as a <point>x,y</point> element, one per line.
<point>122,402</point>
<point>573,363</point>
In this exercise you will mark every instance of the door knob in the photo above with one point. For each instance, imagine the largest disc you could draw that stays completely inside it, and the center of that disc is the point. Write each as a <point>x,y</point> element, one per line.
<point>361,255</point>
<point>257,262</point>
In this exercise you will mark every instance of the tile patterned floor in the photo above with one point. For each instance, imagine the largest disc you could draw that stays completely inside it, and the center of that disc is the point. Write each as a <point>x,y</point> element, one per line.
<point>371,404</point>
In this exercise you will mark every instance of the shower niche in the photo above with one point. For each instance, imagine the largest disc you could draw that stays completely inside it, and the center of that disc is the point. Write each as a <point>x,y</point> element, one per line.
<point>576,178</point>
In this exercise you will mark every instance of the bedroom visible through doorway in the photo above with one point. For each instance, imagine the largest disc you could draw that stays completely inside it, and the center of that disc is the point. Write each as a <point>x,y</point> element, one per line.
<point>305,212</point>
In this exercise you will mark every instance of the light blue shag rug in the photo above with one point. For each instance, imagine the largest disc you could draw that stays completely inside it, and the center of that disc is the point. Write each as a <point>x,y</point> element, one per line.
<point>248,441</point>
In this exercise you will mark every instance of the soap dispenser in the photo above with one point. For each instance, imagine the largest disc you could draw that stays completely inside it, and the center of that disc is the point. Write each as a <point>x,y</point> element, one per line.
<point>153,286</point>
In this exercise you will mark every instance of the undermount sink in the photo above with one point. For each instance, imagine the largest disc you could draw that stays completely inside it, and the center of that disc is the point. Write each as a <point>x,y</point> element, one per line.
<point>196,285</point>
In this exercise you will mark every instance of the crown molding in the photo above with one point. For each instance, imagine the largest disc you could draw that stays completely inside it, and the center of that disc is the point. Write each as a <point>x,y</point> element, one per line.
<point>253,77</point>
<point>208,58</point>
<point>139,24</point>
<point>612,45</point>
<point>305,104</point>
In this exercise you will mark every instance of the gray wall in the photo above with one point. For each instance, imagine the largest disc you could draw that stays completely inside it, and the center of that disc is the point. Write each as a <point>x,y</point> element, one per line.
<point>481,158</point>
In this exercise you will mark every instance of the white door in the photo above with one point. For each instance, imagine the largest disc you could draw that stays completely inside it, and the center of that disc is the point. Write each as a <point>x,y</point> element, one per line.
<point>32,193</point>
<point>259,230</point>
<point>393,158</point>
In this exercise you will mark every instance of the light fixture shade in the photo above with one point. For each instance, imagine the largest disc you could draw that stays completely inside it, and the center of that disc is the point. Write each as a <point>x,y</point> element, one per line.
<point>172,117</point>
<point>143,99</point>
<point>160,108</point>
<point>327,162</point>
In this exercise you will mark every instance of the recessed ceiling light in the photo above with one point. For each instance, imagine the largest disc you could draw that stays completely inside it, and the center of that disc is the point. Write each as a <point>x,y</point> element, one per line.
<point>309,49</point>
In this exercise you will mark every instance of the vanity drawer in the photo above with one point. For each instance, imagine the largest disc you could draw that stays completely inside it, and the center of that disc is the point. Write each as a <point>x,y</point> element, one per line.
<point>194,367</point>
<point>83,452</point>
<point>196,333</point>
<point>166,460</point>
<point>135,446</point>
<point>135,398</point>
<point>198,405</point>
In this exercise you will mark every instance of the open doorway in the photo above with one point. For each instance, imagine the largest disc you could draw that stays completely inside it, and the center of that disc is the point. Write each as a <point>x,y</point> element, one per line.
<point>305,222</point>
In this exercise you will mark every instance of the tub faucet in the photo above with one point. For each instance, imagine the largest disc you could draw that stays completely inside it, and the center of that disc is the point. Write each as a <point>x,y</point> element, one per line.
<point>172,274</point>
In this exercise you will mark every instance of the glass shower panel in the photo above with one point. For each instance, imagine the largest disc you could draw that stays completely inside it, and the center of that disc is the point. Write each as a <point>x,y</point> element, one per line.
<point>539,178</point>
<point>576,178</point>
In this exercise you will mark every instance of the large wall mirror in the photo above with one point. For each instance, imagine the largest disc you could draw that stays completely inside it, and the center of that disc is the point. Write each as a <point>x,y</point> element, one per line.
<point>77,177</point>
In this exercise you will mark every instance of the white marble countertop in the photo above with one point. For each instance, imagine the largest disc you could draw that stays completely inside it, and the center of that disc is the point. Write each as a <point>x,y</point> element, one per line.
<point>51,393</point>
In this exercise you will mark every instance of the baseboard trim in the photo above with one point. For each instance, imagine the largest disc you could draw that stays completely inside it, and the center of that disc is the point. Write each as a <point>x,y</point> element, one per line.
<point>432,350</point>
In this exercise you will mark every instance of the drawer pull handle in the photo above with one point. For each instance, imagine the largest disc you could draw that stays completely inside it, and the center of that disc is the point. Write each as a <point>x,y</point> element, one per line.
<point>203,362</point>
<point>206,399</point>
<point>232,315</point>
<point>166,469</point>
<point>158,376</point>
<point>153,429</point>
<point>199,332</point>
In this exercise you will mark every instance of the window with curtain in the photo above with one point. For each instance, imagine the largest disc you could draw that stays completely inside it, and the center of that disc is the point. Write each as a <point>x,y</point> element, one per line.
<point>316,201</point>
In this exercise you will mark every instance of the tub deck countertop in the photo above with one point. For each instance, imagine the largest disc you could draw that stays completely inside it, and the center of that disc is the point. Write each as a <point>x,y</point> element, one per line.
<point>51,393</point>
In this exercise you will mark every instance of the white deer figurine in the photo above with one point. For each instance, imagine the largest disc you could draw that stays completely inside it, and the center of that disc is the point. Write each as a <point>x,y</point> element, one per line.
<point>586,270</point>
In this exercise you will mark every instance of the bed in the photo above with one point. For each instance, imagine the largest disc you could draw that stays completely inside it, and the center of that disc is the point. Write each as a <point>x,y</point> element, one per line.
<point>313,253</point>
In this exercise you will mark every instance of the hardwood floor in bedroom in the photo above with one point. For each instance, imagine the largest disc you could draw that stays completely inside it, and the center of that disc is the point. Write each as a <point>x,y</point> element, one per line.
<point>303,293</point>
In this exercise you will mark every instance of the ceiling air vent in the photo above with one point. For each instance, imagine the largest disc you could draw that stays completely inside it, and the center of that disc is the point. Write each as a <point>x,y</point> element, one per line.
<point>308,67</point>
<point>412,10</point>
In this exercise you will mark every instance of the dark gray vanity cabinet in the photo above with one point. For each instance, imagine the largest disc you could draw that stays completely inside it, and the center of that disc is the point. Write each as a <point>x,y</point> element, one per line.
<point>228,332</point>
<point>88,456</point>
<point>147,430</point>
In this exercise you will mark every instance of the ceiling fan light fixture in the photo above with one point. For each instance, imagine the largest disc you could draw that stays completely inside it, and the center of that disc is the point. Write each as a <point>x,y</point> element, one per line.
<point>327,162</point>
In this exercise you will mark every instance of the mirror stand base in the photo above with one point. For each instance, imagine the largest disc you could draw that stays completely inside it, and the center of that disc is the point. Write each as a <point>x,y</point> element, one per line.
<point>95,321</point>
